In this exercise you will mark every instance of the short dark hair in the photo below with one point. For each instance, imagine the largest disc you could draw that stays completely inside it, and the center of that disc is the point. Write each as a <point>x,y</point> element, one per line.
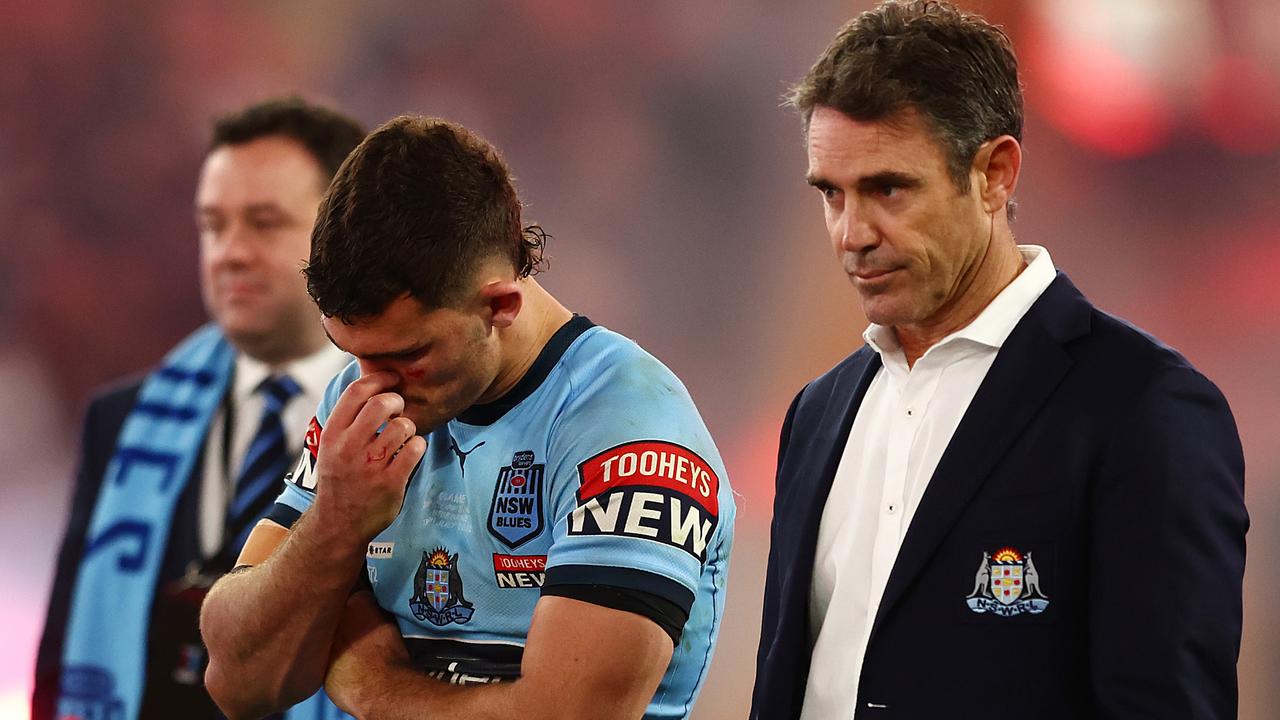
<point>326,133</point>
<point>414,210</point>
<point>954,68</point>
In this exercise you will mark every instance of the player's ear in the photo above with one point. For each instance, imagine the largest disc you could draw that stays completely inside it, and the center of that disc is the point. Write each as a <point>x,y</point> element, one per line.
<point>503,300</point>
<point>996,166</point>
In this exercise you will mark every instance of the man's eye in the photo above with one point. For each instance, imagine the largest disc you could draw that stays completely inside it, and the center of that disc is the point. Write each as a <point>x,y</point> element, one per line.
<point>887,190</point>
<point>267,223</point>
<point>829,192</point>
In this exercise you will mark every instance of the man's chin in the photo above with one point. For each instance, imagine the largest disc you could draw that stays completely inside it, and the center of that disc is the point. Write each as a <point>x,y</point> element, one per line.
<point>424,419</point>
<point>884,313</point>
<point>250,337</point>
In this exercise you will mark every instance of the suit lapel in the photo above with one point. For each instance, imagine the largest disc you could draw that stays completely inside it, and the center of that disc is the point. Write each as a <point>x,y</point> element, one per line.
<point>818,442</point>
<point>1028,367</point>
<point>831,435</point>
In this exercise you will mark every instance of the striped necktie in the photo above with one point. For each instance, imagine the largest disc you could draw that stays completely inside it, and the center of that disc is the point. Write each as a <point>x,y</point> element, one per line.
<point>265,463</point>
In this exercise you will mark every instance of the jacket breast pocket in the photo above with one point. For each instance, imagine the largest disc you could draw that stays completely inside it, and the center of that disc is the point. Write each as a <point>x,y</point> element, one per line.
<point>1006,579</point>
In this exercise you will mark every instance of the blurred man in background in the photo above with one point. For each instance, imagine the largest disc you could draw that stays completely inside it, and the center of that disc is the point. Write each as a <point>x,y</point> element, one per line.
<point>176,468</point>
<point>533,500</point>
<point>1006,498</point>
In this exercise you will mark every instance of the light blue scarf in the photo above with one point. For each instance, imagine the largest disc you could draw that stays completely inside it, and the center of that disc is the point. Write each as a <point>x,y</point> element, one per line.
<point>104,654</point>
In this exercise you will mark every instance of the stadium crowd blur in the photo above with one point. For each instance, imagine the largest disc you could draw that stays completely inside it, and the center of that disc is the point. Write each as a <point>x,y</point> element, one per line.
<point>648,139</point>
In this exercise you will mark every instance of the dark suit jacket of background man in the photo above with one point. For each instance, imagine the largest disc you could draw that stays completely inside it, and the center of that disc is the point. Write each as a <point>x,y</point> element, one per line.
<point>1090,444</point>
<point>103,421</point>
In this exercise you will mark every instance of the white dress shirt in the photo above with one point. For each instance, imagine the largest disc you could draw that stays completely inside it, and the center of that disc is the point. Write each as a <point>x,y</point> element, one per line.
<point>312,373</point>
<point>899,434</point>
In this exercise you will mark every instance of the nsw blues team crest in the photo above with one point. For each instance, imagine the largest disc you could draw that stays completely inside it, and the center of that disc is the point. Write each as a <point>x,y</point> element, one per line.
<point>437,590</point>
<point>515,515</point>
<point>1007,584</point>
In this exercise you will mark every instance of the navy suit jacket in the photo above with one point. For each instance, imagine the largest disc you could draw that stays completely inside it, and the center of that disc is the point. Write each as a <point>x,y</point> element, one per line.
<point>104,419</point>
<point>1093,446</point>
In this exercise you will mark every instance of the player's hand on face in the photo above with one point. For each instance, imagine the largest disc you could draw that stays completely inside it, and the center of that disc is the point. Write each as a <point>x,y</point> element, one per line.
<point>361,471</point>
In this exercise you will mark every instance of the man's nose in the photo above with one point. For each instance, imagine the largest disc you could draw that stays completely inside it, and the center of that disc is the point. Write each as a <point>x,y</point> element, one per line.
<point>235,246</point>
<point>368,367</point>
<point>857,233</point>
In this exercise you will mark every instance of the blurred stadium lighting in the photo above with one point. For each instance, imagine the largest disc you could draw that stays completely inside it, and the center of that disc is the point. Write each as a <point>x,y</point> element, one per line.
<point>1119,77</point>
<point>1241,106</point>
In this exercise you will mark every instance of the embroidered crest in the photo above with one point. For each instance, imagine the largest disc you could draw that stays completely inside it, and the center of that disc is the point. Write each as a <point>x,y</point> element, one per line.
<point>437,590</point>
<point>1007,584</point>
<point>515,515</point>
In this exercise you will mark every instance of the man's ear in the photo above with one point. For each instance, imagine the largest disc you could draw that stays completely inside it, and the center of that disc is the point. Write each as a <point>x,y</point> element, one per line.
<point>504,299</point>
<point>995,167</point>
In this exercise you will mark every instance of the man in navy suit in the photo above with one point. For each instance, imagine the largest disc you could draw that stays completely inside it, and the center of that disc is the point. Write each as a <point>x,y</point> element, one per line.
<point>993,416</point>
<point>268,166</point>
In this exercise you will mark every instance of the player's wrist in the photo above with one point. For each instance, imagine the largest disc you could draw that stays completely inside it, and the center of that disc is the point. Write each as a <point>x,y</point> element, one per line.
<point>386,693</point>
<point>331,548</point>
<point>342,524</point>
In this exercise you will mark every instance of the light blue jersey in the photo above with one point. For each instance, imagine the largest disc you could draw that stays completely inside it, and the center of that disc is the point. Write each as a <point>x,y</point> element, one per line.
<point>594,473</point>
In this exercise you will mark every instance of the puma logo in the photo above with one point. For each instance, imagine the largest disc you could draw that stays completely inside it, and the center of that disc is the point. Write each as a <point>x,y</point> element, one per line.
<point>462,456</point>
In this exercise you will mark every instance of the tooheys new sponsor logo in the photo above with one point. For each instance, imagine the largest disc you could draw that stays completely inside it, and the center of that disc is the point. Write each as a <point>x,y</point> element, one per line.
<point>304,473</point>
<point>520,571</point>
<point>649,489</point>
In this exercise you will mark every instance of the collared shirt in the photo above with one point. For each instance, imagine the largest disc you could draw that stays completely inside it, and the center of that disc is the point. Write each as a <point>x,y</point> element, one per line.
<point>899,434</point>
<point>222,464</point>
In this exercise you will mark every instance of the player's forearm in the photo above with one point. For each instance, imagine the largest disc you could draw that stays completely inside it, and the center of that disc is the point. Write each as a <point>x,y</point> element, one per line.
<point>407,694</point>
<point>269,628</point>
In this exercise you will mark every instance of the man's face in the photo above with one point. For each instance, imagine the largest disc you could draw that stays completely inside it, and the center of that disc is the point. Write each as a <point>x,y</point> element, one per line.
<point>445,358</point>
<point>255,205</point>
<point>910,242</point>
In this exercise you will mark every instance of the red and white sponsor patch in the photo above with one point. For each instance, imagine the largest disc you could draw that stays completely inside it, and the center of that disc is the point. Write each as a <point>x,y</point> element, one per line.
<point>304,473</point>
<point>312,441</point>
<point>519,563</point>
<point>654,464</point>
<point>519,571</point>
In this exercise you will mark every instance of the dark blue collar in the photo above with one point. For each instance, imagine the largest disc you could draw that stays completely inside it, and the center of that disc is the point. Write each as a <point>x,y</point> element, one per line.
<point>489,413</point>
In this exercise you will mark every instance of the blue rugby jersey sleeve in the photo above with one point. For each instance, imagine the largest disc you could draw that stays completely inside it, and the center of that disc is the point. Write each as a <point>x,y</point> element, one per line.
<point>638,490</point>
<point>300,484</point>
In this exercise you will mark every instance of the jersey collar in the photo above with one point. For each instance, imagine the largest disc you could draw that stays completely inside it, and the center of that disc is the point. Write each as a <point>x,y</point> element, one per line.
<point>489,413</point>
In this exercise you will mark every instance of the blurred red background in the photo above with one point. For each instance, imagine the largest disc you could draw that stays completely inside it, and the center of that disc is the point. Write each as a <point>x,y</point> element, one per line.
<point>648,139</point>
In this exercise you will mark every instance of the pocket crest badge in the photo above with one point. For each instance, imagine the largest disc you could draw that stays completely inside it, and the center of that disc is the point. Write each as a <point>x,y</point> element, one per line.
<point>1007,584</point>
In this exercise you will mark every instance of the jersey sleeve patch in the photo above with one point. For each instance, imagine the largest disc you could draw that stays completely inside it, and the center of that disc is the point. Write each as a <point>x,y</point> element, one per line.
<point>304,473</point>
<point>649,489</point>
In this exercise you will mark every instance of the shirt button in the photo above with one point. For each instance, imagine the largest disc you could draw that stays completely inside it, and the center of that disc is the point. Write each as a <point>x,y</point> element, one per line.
<point>892,508</point>
<point>911,412</point>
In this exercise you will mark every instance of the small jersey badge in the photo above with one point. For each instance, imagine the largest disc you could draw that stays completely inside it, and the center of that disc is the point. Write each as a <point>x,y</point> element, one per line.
<point>437,590</point>
<point>520,571</point>
<point>515,514</point>
<point>1007,584</point>
<point>304,473</point>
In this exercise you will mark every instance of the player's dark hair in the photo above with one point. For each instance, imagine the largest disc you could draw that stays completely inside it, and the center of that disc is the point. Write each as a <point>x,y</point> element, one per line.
<point>414,210</point>
<point>954,68</point>
<point>327,134</point>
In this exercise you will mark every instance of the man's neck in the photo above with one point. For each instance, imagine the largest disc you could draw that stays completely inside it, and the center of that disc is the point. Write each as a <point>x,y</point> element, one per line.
<point>997,270</point>
<point>539,319</point>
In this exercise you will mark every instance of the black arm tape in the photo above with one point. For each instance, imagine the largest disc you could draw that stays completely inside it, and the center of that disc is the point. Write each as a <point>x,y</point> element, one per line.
<point>668,615</point>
